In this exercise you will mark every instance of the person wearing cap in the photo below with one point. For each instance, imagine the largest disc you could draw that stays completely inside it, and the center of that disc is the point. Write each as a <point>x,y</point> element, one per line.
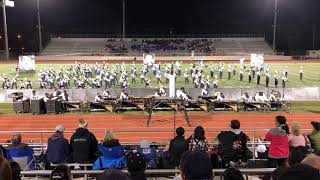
<point>58,150</point>
<point>84,144</point>
<point>315,137</point>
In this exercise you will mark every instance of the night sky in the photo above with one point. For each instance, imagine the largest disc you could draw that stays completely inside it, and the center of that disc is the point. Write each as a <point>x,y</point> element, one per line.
<point>297,19</point>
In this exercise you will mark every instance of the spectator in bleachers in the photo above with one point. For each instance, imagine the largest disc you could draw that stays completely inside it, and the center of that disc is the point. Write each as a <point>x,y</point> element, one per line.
<point>182,158</point>
<point>301,171</point>
<point>136,165</point>
<point>111,153</point>
<point>149,152</point>
<point>197,165</point>
<point>232,174</point>
<point>315,137</point>
<point>83,144</point>
<point>279,146</point>
<point>296,138</point>
<point>3,151</point>
<point>233,145</point>
<point>198,141</point>
<point>15,170</point>
<point>312,160</point>
<point>177,147</point>
<point>58,150</point>
<point>20,153</point>
<point>61,172</point>
<point>5,170</point>
<point>113,174</point>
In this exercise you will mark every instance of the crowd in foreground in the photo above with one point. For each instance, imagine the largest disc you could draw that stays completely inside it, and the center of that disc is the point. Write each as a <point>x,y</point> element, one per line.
<point>293,154</point>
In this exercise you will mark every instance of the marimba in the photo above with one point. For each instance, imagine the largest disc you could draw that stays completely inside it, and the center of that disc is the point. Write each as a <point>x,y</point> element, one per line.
<point>21,106</point>
<point>37,106</point>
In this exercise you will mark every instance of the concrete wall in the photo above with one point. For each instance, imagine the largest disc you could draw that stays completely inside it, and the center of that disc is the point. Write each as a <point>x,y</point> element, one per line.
<point>295,94</point>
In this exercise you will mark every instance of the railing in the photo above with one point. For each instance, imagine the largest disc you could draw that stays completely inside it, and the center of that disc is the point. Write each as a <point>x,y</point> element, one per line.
<point>158,36</point>
<point>150,172</point>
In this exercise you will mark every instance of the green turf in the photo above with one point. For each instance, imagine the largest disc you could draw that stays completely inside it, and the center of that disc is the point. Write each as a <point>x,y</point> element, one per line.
<point>296,107</point>
<point>311,76</point>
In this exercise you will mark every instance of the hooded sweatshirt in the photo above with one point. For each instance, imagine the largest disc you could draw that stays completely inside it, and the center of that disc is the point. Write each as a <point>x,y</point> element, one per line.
<point>58,150</point>
<point>84,146</point>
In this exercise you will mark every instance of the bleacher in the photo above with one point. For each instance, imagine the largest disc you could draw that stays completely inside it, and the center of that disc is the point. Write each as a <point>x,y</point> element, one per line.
<point>162,46</point>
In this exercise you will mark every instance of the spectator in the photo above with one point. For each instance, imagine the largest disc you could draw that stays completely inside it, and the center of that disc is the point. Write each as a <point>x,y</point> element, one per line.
<point>232,145</point>
<point>315,137</point>
<point>182,158</point>
<point>136,166</point>
<point>312,160</point>
<point>197,165</point>
<point>177,147</point>
<point>149,153</point>
<point>297,155</point>
<point>58,150</point>
<point>198,141</point>
<point>62,172</point>
<point>15,170</point>
<point>301,171</point>
<point>111,153</point>
<point>232,174</point>
<point>279,147</point>
<point>296,138</point>
<point>3,151</point>
<point>20,153</point>
<point>113,174</point>
<point>5,170</point>
<point>84,144</point>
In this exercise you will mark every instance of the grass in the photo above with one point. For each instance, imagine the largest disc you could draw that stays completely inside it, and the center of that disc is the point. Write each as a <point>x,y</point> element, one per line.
<point>296,107</point>
<point>311,76</point>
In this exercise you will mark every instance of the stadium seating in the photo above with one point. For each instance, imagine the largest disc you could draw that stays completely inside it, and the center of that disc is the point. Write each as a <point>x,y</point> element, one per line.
<point>169,46</point>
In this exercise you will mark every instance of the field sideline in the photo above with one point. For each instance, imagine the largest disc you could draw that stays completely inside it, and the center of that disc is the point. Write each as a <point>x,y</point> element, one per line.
<point>311,75</point>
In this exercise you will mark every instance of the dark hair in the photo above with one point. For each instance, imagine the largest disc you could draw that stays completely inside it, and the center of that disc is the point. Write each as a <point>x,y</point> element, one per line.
<point>5,170</point>
<point>197,165</point>
<point>199,133</point>
<point>62,172</point>
<point>136,162</point>
<point>277,173</point>
<point>113,174</point>
<point>180,131</point>
<point>301,171</point>
<point>297,154</point>
<point>15,170</point>
<point>232,174</point>
<point>283,122</point>
<point>235,124</point>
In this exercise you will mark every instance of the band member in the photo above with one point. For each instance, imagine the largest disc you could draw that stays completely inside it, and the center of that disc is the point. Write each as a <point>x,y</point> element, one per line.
<point>147,82</point>
<point>208,82</point>
<point>204,92</point>
<point>97,98</point>
<point>133,78</point>
<point>268,75</point>
<point>215,83</point>
<point>229,71</point>
<point>301,73</point>
<point>284,80</point>
<point>258,77</point>
<point>42,84</point>
<point>211,71</point>
<point>157,93</point>
<point>249,76</point>
<point>64,96</point>
<point>241,74</point>
<point>46,97</point>
<point>158,78</point>
<point>21,84</point>
<point>245,97</point>
<point>182,94</point>
<point>163,91</point>
<point>220,72</point>
<point>14,83</point>
<point>272,96</point>
<point>106,94</point>
<point>186,77</point>
<point>234,69</point>
<point>33,95</point>
<point>286,72</point>
<point>276,80</point>
<point>124,95</point>
<point>7,84</point>
<point>220,96</point>
<point>260,97</point>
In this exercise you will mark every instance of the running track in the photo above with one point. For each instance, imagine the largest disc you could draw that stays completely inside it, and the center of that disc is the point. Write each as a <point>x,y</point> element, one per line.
<point>127,122</point>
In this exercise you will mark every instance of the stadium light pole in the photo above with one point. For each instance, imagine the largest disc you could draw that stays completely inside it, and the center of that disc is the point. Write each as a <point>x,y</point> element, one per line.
<point>275,24</point>
<point>123,18</point>
<point>5,29</point>
<point>39,27</point>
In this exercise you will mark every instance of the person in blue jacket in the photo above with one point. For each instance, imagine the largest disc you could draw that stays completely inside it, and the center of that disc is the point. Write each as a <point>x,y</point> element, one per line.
<point>58,150</point>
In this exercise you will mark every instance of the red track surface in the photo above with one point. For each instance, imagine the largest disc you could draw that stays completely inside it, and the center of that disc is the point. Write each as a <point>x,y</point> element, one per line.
<point>138,122</point>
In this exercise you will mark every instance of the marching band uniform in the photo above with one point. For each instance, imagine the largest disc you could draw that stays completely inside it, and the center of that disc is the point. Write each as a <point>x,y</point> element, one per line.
<point>158,77</point>
<point>204,92</point>
<point>301,73</point>
<point>186,78</point>
<point>234,69</point>
<point>220,72</point>
<point>241,75</point>
<point>229,72</point>
<point>258,77</point>
<point>267,79</point>
<point>14,83</point>
<point>97,98</point>
<point>106,94</point>
<point>22,85</point>
<point>215,83</point>
<point>123,96</point>
<point>163,91</point>
<point>29,84</point>
<point>284,80</point>
<point>249,76</point>
<point>276,80</point>
<point>211,71</point>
